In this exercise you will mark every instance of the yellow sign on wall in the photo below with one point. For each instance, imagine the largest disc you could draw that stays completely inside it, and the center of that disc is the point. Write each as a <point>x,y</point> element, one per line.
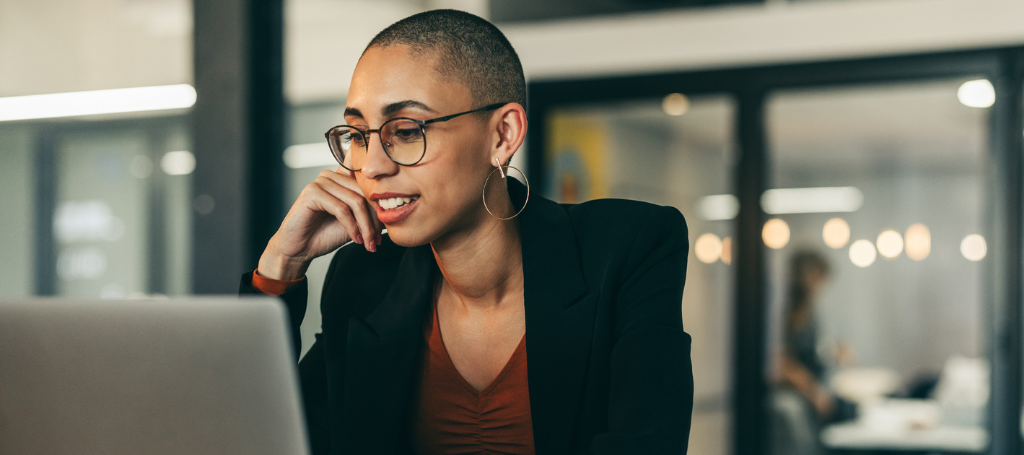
<point>577,158</point>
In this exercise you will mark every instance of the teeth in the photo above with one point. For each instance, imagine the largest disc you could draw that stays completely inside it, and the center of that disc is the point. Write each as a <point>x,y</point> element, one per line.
<point>395,202</point>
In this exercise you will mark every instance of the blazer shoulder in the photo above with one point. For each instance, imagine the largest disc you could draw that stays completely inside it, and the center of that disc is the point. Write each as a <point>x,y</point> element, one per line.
<point>620,240</point>
<point>610,220</point>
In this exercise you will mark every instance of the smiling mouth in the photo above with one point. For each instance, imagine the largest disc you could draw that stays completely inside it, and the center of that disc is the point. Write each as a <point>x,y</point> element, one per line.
<point>395,202</point>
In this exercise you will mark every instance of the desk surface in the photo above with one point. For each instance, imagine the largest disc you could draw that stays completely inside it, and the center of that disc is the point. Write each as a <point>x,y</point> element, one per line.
<point>941,438</point>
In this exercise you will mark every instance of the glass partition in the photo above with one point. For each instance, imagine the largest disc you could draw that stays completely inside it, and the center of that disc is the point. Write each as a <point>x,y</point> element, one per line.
<point>122,214</point>
<point>676,151</point>
<point>878,235</point>
<point>97,208</point>
<point>17,184</point>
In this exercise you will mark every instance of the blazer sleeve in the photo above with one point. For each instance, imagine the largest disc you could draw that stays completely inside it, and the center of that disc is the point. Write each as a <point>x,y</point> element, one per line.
<point>651,379</point>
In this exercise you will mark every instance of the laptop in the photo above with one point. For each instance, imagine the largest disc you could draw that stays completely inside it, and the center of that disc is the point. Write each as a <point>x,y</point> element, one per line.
<point>206,375</point>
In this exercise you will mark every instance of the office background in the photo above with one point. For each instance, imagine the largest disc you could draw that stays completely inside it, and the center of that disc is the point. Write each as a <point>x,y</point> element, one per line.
<point>904,115</point>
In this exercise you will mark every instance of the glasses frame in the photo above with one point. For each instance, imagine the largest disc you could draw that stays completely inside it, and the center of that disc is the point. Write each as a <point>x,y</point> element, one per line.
<point>423,133</point>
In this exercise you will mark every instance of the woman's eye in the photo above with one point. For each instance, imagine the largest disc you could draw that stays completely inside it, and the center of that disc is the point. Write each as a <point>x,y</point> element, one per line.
<point>408,134</point>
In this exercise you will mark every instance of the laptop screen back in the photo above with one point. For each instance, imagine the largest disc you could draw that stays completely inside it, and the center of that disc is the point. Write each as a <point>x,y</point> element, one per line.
<point>195,376</point>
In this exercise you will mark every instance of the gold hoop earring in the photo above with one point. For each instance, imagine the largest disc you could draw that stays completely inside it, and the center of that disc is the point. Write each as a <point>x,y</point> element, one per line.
<point>503,173</point>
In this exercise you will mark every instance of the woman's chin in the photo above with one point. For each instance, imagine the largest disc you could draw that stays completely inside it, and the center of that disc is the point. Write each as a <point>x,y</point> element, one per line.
<point>402,236</point>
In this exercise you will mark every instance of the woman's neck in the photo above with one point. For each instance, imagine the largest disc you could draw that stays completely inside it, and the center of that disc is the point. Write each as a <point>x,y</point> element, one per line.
<point>482,266</point>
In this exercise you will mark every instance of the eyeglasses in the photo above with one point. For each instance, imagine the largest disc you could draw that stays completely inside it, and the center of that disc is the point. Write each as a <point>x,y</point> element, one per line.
<point>402,137</point>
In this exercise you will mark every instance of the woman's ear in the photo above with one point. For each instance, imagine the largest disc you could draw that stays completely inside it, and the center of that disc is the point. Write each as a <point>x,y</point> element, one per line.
<point>509,129</point>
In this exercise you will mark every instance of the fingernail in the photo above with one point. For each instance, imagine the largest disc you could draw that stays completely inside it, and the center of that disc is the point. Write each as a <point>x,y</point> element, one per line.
<point>359,238</point>
<point>373,246</point>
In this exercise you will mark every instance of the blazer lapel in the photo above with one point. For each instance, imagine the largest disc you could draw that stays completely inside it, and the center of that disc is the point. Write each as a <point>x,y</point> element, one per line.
<point>382,357</point>
<point>559,320</point>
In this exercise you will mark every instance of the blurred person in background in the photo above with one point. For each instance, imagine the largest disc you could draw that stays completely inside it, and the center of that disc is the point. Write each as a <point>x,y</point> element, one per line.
<point>426,329</point>
<point>803,403</point>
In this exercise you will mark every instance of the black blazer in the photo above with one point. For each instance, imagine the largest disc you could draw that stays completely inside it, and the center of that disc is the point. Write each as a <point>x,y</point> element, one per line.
<point>607,358</point>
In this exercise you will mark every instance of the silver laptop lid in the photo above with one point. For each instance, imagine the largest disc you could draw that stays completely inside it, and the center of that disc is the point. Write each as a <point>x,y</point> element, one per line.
<point>179,376</point>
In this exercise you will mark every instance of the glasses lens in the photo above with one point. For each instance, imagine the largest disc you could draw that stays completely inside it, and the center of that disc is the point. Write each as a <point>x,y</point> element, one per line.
<point>347,144</point>
<point>404,141</point>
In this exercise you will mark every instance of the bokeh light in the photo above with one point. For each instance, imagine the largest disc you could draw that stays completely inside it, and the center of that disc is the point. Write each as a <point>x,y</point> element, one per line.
<point>918,242</point>
<point>978,93</point>
<point>708,248</point>
<point>890,244</point>
<point>775,233</point>
<point>973,247</point>
<point>727,250</point>
<point>181,162</point>
<point>862,253</point>
<point>836,233</point>
<point>675,104</point>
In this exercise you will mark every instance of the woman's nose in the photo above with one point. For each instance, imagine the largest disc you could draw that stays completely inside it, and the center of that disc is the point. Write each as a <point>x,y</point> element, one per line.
<point>377,162</point>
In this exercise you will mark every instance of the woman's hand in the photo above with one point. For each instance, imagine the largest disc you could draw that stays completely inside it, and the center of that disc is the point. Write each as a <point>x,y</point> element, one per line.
<point>824,403</point>
<point>329,212</point>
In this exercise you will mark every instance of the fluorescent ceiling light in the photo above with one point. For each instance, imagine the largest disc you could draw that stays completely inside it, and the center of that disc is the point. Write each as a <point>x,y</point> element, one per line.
<point>812,200</point>
<point>719,207</point>
<point>309,155</point>
<point>97,102</point>
<point>181,162</point>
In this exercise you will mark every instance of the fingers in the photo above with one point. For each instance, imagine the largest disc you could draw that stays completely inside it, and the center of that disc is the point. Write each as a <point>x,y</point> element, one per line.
<point>346,178</point>
<point>342,177</point>
<point>345,190</point>
<point>379,229</point>
<point>345,172</point>
<point>319,199</point>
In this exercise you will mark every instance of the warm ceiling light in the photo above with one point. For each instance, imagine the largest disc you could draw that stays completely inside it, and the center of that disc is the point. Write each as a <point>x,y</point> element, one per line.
<point>890,244</point>
<point>836,233</point>
<point>727,250</point>
<point>708,248</point>
<point>675,104</point>
<point>812,200</point>
<point>862,253</point>
<point>97,102</point>
<point>317,154</point>
<point>979,93</point>
<point>918,242</point>
<point>973,247</point>
<point>775,233</point>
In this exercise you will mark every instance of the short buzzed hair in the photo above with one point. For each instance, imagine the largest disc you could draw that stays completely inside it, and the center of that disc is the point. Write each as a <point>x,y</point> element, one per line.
<point>468,49</point>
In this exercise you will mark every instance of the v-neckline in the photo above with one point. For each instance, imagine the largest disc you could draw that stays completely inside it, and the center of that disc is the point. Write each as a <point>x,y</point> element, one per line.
<point>450,365</point>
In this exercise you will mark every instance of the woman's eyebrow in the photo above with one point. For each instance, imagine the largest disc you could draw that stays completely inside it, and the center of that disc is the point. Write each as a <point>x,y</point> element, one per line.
<point>392,108</point>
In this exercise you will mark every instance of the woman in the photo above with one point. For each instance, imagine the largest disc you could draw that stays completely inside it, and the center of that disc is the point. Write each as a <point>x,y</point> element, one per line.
<point>426,330</point>
<point>804,403</point>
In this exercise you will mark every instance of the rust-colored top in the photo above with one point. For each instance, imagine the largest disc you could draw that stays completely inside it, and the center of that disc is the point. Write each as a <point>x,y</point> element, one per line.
<point>453,418</point>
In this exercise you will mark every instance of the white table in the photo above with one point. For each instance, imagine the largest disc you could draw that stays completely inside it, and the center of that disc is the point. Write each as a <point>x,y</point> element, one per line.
<point>854,436</point>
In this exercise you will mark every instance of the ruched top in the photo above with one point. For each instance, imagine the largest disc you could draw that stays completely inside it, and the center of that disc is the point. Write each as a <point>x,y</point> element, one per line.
<point>454,418</point>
